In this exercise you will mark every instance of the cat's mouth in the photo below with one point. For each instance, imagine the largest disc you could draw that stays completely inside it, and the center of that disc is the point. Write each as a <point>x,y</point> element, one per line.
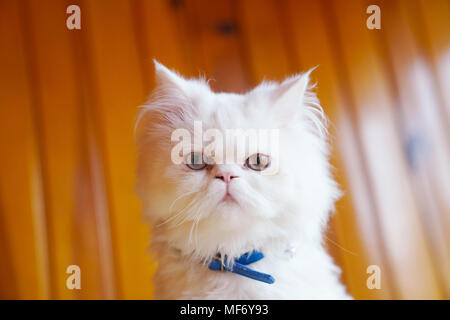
<point>228,197</point>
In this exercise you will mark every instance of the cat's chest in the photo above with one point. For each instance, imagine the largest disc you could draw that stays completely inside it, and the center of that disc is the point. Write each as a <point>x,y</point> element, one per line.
<point>304,276</point>
<point>209,284</point>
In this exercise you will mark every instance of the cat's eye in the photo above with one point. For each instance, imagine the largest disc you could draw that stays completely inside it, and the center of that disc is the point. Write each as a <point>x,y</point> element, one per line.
<point>194,161</point>
<point>258,162</point>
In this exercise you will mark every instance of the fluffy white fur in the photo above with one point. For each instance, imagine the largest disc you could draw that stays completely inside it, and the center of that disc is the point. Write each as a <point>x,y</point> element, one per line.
<point>274,214</point>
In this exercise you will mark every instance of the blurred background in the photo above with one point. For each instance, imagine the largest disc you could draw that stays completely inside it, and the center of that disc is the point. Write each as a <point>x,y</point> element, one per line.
<point>68,103</point>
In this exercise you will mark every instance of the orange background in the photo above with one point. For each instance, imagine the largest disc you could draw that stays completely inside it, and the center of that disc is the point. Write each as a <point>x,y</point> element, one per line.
<point>68,103</point>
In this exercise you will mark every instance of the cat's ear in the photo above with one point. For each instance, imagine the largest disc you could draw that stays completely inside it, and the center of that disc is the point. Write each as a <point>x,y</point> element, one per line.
<point>290,95</point>
<point>295,101</point>
<point>168,105</point>
<point>167,77</point>
<point>171,90</point>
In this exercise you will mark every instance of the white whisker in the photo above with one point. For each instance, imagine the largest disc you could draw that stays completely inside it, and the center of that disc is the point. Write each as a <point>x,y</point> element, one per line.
<point>179,212</point>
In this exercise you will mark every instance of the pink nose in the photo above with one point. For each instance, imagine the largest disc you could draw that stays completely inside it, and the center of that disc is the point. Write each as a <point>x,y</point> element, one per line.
<point>225,177</point>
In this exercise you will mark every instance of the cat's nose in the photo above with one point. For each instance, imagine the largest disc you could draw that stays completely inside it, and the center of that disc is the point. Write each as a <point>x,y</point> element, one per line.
<point>226,176</point>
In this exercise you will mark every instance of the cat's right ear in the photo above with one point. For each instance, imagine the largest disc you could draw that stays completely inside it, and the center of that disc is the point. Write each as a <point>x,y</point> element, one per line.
<point>171,92</point>
<point>168,104</point>
<point>167,77</point>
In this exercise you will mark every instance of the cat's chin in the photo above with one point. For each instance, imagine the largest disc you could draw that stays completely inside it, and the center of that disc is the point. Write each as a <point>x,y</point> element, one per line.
<point>230,216</point>
<point>228,209</point>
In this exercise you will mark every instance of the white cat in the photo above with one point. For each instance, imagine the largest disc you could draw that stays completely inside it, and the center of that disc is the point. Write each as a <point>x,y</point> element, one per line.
<point>202,209</point>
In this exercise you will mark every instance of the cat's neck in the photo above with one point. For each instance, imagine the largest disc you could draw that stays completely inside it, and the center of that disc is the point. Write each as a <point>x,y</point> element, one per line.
<point>280,249</point>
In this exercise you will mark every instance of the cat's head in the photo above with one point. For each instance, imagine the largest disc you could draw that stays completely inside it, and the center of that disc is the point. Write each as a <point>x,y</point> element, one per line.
<point>222,172</point>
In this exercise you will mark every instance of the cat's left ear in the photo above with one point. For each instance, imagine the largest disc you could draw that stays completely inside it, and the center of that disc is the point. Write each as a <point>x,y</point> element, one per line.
<point>290,95</point>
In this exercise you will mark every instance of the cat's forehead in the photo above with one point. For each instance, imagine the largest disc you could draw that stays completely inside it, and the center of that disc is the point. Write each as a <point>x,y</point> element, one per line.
<point>229,111</point>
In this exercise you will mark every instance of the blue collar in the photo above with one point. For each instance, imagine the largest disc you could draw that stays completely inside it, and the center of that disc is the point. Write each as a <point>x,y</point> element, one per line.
<point>239,266</point>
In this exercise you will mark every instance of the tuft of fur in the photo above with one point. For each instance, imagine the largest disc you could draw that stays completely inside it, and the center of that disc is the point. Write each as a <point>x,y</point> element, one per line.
<point>274,213</point>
